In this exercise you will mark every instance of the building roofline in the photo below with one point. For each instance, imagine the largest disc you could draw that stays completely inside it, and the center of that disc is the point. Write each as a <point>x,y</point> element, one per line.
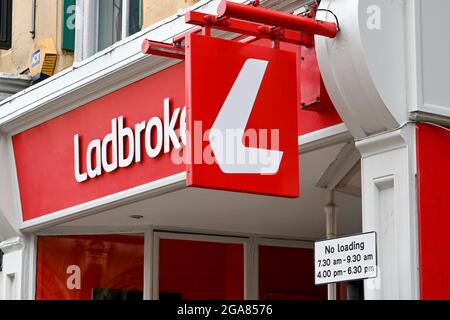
<point>115,67</point>
<point>111,63</point>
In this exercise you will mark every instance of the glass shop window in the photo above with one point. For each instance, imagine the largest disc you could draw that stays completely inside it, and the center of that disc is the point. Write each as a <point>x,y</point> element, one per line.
<point>197,270</point>
<point>287,273</point>
<point>90,267</point>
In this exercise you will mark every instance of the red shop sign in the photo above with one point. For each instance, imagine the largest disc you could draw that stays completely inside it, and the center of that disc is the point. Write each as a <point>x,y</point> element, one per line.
<point>242,117</point>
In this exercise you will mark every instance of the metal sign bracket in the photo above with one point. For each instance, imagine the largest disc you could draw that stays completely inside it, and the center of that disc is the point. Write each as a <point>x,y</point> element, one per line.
<point>251,21</point>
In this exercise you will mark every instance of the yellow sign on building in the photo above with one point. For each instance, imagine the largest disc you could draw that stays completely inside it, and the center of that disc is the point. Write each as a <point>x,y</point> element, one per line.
<point>43,59</point>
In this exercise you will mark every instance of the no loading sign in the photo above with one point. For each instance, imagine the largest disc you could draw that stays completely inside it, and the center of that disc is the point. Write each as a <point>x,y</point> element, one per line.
<point>345,259</point>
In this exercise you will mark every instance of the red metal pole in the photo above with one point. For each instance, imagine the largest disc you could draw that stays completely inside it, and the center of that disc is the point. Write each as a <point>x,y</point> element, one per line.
<point>162,49</point>
<point>275,18</point>
<point>247,28</point>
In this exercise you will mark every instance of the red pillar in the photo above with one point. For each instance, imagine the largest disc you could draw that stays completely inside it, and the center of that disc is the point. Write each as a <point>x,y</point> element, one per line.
<point>433,168</point>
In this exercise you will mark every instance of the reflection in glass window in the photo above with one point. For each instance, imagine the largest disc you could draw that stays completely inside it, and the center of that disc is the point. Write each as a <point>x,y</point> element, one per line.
<point>288,274</point>
<point>94,267</point>
<point>193,270</point>
<point>109,22</point>
<point>110,19</point>
<point>135,16</point>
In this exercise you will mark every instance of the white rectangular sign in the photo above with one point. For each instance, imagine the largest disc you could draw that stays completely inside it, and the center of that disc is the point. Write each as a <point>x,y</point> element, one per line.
<point>346,259</point>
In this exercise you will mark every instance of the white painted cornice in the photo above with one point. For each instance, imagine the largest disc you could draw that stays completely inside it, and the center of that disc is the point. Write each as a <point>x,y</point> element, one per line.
<point>364,67</point>
<point>11,84</point>
<point>384,142</point>
<point>11,245</point>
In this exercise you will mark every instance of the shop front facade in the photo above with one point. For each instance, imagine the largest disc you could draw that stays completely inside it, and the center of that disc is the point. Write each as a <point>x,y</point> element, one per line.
<point>95,202</point>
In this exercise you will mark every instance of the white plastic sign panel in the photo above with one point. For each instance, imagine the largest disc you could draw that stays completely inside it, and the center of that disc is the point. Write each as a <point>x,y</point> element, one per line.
<point>346,259</point>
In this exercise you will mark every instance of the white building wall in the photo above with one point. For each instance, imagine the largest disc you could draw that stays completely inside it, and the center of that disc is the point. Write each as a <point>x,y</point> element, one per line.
<point>389,208</point>
<point>11,276</point>
<point>430,47</point>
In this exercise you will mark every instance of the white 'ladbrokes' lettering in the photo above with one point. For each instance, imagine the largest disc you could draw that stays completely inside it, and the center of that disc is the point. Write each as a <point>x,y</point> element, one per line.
<point>110,153</point>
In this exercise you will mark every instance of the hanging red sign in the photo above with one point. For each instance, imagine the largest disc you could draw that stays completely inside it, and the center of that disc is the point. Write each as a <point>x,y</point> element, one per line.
<point>242,117</point>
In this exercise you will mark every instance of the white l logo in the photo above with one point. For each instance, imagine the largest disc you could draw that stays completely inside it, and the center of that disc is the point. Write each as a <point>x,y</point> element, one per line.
<point>234,116</point>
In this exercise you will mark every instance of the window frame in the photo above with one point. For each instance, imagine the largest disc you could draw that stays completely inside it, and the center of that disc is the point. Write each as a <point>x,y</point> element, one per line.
<point>146,232</point>
<point>281,243</point>
<point>152,236</point>
<point>87,35</point>
<point>5,24</point>
<point>178,235</point>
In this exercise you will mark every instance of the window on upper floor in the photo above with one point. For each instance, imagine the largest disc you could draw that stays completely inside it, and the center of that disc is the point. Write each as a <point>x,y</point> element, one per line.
<point>111,19</point>
<point>5,23</point>
<point>109,22</point>
<point>104,22</point>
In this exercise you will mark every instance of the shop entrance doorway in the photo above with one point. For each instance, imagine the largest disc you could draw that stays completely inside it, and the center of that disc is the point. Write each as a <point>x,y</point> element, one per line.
<point>206,244</point>
<point>189,267</point>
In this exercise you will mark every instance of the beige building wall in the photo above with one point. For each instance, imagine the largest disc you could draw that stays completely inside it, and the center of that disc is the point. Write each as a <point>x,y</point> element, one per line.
<point>156,10</point>
<point>48,25</point>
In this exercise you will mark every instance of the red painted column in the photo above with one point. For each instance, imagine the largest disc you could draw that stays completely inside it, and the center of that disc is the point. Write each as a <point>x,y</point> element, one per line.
<point>433,167</point>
